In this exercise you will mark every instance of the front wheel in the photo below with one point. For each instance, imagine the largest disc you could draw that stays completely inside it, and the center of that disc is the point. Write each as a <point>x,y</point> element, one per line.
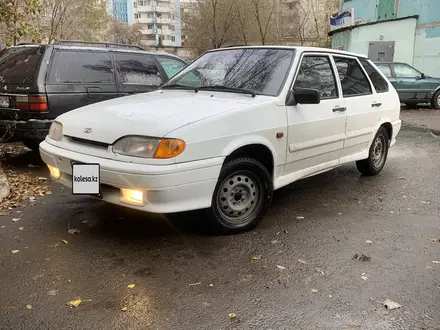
<point>241,197</point>
<point>377,155</point>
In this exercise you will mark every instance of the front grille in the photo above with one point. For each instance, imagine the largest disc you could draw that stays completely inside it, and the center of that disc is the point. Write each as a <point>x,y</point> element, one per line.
<point>88,142</point>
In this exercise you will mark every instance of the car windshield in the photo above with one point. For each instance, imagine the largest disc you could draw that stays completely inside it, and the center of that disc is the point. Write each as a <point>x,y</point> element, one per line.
<point>257,70</point>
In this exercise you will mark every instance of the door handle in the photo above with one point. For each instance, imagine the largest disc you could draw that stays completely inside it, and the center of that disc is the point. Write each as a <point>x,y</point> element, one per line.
<point>94,92</point>
<point>376,104</point>
<point>340,109</point>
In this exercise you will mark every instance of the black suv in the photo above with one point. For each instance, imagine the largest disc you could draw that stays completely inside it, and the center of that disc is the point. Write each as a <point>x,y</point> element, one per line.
<point>40,82</point>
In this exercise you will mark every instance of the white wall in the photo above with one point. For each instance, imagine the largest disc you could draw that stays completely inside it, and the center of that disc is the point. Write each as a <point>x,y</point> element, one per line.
<point>427,51</point>
<point>402,32</point>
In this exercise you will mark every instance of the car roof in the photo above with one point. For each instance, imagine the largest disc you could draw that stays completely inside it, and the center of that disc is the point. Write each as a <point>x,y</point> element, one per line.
<point>300,49</point>
<point>99,49</point>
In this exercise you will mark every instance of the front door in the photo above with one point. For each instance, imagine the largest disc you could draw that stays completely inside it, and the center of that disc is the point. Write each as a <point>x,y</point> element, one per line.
<point>411,86</point>
<point>316,132</point>
<point>381,51</point>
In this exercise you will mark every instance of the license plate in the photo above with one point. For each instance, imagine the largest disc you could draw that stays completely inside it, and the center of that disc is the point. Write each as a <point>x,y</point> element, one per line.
<point>85,179</point>
<point>4,102</point>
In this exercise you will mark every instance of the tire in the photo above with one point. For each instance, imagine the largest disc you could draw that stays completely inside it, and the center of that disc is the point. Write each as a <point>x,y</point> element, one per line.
<point>241,197</point>
<point>34,145</point>
<point>411,105</point>
<point>435,102</point>
<point>377,156</point>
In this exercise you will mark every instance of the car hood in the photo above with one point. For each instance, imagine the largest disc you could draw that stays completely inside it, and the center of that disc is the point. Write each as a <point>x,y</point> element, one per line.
<point>150,114</point>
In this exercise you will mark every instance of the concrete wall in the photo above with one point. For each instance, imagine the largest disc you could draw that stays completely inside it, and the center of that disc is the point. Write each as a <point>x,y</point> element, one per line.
<point>427,51</point>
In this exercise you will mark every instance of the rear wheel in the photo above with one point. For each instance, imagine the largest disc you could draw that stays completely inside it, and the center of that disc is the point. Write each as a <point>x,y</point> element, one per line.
<point>242,196</point>
<point>435,102</point>
<point>377,156</point>
<point>34,145</point>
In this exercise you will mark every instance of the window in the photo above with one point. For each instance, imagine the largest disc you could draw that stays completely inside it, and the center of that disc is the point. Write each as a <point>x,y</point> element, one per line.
<point>353,79</point>
<point>81,67</point>
<point>171,65</point>
<point>137,69</point>
<point>19,65</point>
<point>378,82</point>
<point>385,68</point>
<point>405,71</point>
<point>316,72</point>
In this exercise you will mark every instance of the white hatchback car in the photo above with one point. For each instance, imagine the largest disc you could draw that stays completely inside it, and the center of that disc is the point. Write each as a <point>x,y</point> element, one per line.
<point>224,133</point>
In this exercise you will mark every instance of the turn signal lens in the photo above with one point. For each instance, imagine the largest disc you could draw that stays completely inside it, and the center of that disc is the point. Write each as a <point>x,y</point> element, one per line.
<point>54,172</point>
<point>169,148</point>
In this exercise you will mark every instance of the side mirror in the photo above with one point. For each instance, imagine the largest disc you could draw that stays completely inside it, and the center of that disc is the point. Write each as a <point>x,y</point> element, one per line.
<point>303,96</point>
<point>423,76</point>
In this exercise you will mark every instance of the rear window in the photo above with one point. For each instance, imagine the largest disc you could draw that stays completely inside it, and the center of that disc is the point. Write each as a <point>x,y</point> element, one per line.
<point>19,65</point>
<point>75,67</point>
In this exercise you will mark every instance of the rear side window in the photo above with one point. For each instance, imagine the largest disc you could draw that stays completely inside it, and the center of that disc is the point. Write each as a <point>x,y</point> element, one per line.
<point>353,79</point>
<point>19,65</point>
<point>385,68</point>
<point>171,65</point>
<point>316,72</point>
<point>138,69</point>
<point>378,82</point>
<point>74,67</point>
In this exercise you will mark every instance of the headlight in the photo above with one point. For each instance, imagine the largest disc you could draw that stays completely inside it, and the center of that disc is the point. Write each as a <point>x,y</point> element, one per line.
<point>149,147</point>
<point>56,131</point>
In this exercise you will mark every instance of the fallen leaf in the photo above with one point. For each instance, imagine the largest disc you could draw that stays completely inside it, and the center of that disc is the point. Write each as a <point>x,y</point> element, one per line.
<point>84,221</point>
<point>52,292</point>
<point>300,218</point>
<point>64,241</point>
<point>275,241</point>
<point>42,178</point>
<point>73,231</point>
<point>368,241</point>
<point>315,290</point>
<point>389,304</point>
<point>211,285</point>
<point>281,267</point>
<point>48,192</point>
<point>256,257</point>
<point>339,213</point>
<point>319,270</point>
<point>32,166</point>
<point>3,226</point>
<point>401,178</point>
<point>392,212</point>
<point>28,306</point>
<point>232,316</point>
<point>21,228</point>
<point>15,251</point>
<point>124,309</point>
<point>432,239</point>
<point>16,219</point>
<point>436,262</point>
<point>364,278</point>
<point>75,303</point>
<point>428,267</point>
<point>131,286</point>
<point>193,284</point>
<point>301,261</point>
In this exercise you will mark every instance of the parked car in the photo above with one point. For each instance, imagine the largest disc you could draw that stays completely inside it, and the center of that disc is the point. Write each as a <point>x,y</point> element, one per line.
<point>40,82</point>
<point>413,86</point>
<point>227,131</point>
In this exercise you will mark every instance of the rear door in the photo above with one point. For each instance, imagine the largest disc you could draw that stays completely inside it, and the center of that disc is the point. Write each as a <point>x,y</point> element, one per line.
<point>171,65</point>
<point>137,73</point>
<point>78,78</point>
<point>360,102</point>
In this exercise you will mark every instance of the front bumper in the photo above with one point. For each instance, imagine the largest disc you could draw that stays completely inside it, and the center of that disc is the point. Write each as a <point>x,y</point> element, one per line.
<point>168,188</point>
<point>19,130</point>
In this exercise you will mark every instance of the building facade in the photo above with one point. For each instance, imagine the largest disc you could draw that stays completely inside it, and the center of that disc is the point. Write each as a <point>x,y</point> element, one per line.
<point>391,30</point>
<point>122,10</point>
<point>160,22</point>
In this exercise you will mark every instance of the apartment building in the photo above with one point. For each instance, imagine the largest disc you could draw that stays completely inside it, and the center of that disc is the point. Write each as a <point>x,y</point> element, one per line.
<point>187,8</point>
<point>122,10</point>
<point>160,21</point>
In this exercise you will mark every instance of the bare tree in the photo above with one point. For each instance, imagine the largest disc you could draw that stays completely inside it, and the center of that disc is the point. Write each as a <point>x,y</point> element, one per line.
<point>123,33</point>
<point>263,11</point>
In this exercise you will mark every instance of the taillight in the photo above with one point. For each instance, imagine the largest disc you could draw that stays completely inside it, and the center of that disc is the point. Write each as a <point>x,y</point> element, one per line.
<point>32,102</point>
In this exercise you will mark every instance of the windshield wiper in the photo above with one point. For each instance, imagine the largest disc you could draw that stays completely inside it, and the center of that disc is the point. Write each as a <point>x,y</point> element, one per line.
<point>172,86</point>
<point>227,89</point>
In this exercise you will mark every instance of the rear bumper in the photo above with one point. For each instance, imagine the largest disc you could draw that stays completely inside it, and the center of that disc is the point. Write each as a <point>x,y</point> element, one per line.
<point>17,130</point>
<point>397,125</point>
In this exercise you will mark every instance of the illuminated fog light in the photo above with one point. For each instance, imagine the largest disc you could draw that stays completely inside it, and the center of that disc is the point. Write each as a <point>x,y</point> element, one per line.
<point>132,196</point>
<point>54,172</point>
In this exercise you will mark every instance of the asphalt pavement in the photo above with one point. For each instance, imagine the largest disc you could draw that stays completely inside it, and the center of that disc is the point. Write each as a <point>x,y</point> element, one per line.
<point>332,248</point>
